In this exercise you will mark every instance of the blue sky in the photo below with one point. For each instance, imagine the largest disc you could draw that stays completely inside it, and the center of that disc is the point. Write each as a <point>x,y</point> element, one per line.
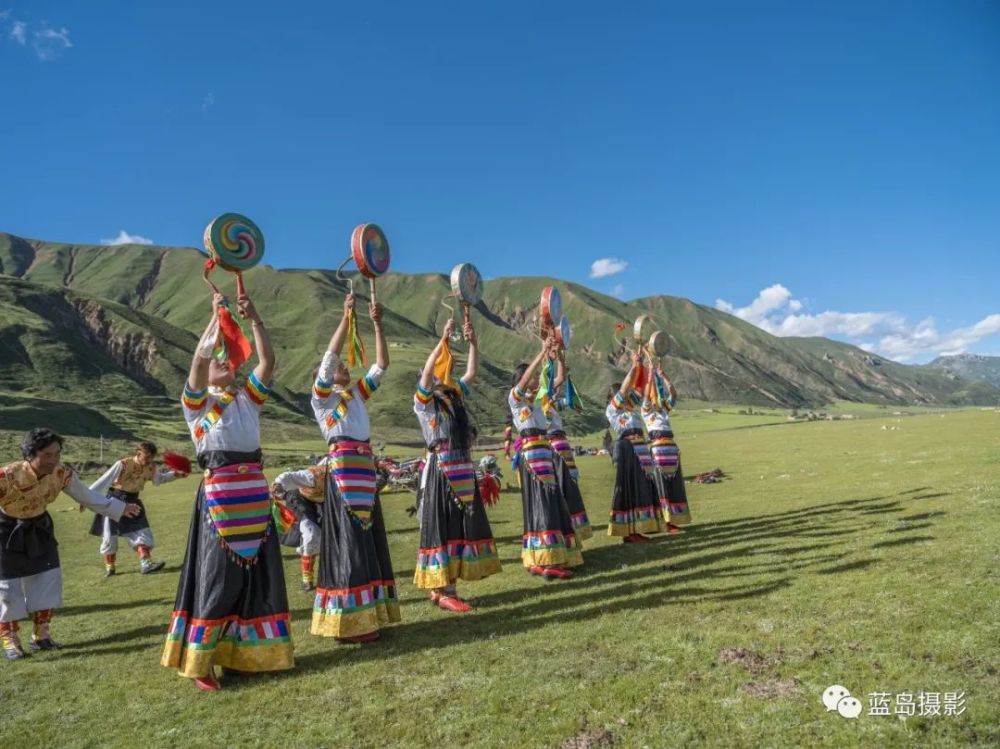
<point>817,168</point>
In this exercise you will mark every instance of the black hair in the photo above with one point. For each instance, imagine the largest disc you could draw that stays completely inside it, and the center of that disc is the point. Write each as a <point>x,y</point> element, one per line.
<point>615,388</point>
<point>149,448</point>
<point>37,440</point>
<point>518,373</point>
<point>450,401</point>
<point>515,379</point>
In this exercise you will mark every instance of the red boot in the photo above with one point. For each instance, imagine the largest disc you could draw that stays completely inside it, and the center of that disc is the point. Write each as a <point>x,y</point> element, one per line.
<point>451,603</point>
<point>560,572</point>
<point>208,683</point>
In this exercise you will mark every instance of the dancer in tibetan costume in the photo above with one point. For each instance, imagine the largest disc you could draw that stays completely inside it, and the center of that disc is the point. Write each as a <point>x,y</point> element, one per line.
<point>549,544</point>
<point>657,404</point>
<point>356,591</point>
<point>231,608</point>
<point>456,541</point>
<point>567,473</point>
<point>30,575</point>
<point>635,506</point>
<point>125,480</point>
<point>304,491</point>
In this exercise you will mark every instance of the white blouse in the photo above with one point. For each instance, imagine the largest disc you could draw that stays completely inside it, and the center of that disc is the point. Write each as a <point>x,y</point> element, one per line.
<point>435,425</point>
<point>342,412</point>
<point>622,415</point>
<point>526,413</point>
<point>657,419</point>
<point>220,420</point>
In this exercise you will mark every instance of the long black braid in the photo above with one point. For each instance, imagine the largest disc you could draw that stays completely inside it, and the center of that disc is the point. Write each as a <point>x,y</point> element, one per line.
<point>449,401</point>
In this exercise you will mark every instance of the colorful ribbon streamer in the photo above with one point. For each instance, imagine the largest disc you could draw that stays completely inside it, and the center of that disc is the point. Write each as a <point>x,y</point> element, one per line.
<point>355,346</point>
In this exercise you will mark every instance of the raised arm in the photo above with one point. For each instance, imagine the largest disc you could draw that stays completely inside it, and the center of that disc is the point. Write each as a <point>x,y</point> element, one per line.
<point>472,369</point>
<point>340,334</point>
<point>629,380</point>
<point>650,395</point>
<point>535,363</point>
<point>670,386</point>
<point>381,348</point>
<point>261,340</point>
<point>427,373</point>
<point>561,370</point>
<point>198,375</point>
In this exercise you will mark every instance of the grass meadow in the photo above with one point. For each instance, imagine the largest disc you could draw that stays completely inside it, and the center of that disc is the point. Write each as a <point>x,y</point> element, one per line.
<point>861,553</point>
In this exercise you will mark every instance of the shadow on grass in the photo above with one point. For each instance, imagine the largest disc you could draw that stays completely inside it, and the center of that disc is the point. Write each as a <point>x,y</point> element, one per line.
<point>901,542</point>
<point>703,564</point>
<point>92,608</point>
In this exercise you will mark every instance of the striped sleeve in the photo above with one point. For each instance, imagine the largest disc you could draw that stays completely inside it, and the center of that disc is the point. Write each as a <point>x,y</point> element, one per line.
<point>322,388</point>
<point>256,390</point>
<point>367,385</point>
<point>618,401</point>
<point>464,388</point>
<point>422,397</point>
<point>194,400</point>
<point>519,395</point>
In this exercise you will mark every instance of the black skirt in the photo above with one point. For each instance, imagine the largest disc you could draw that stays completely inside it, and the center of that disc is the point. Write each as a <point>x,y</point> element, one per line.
<point>549,538</point>
<point>570,488</point>
<point>456,542</point>
<point>27,546</point>
<point>125,525</point>
<point>227,613</point>
<point>356,589</point>
<point>635,504</point>
<point>672,491</point>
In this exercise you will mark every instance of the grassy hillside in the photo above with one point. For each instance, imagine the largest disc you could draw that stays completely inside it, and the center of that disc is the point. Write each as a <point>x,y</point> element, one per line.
<point>121,322</point>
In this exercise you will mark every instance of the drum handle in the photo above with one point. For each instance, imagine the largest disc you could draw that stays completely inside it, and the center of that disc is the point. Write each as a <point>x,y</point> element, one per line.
<point>371,288</point>
<point>207,268</point>
<point>342,277</point>
<point>444,303</point>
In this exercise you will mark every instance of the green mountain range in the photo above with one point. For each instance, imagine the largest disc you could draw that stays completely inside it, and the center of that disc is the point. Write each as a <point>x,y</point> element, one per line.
<point>970,367</point>
<point>100,338</point>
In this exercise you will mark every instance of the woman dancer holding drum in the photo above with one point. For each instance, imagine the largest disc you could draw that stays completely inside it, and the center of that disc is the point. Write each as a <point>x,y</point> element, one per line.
<point>635,507</point>
<point>549,543</point>
<point>231,608</point>
<point>657,404</point>
<point>356,591</point>
<point>456,541</point>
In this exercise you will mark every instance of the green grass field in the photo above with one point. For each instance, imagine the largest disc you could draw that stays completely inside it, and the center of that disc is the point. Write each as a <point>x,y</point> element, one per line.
<point>837,553</point>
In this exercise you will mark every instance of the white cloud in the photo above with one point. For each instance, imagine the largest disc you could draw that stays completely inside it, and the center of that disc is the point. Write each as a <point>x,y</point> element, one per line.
<point>125,238</point>
<point>888,333</point>
<point>50,43</point>
<point>19,32</point>
<point>618,290</point>
<point>208,102</point>
<point>607,266</point>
